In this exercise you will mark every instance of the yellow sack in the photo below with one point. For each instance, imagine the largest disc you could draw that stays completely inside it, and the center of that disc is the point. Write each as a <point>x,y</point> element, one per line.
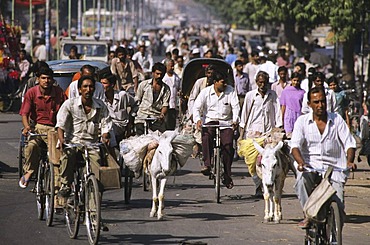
<point>249,152</point>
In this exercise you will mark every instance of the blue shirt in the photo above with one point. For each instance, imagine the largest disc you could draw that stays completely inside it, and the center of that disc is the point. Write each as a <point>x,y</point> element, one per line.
<point>241,83</point>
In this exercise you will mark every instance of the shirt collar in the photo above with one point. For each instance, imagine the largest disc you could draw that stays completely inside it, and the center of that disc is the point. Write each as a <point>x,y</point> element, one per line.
<point>330,118</point>
<point>94,104</point>
<point>39,95</point>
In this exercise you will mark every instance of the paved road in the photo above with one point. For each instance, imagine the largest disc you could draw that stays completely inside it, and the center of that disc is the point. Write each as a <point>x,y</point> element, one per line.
<point>192,217</point>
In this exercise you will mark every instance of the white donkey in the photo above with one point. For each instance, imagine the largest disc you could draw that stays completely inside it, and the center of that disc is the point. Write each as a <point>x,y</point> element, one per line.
<point>274,170</point>
<point>162,165</point>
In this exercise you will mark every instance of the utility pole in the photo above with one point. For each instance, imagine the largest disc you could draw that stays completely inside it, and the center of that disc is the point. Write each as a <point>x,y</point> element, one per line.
<point>47,28</point>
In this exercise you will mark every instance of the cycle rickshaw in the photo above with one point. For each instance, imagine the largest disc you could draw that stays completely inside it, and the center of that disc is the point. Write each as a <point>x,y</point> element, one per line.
<point>193,70</point>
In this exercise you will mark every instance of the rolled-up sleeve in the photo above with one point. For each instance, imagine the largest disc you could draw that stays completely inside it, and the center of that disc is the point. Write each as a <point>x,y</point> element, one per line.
<point>63,116</point>
<point>298,133</point>
<point>198,106</point>
<point>235,106</point>
<point>106,121</point>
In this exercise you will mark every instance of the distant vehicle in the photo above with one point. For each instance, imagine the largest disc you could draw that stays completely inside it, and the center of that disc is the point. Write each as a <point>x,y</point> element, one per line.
<point>144,38</point>
<point>65,69</point>
<point>88,48</point>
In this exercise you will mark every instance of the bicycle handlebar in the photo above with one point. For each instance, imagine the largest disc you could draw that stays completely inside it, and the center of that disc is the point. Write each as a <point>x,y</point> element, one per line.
<point>74,145</point>
<point>30,134</point>
<point>323,170</point>
<point>222,125</point>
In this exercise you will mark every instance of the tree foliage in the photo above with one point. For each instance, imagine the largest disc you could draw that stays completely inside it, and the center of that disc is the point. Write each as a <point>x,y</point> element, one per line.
<point>343,15</point>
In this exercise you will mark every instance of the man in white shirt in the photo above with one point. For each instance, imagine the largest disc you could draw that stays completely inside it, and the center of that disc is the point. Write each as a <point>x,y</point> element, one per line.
<point>86,70</point>
<point>217,104</point>
<point>78,121</point>
<point>173,81</point>
<point>321,138</point>
<point>259,115</point>
<point>144,59</point>
<point>270,68</point>
<point>251,69</point>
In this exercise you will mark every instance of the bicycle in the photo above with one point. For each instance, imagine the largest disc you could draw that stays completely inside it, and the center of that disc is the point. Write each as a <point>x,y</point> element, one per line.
<point>330,230</point>
<point>8,96</point>
<point>44,185</point>
<point>216,163</point>
<point>84,198</point>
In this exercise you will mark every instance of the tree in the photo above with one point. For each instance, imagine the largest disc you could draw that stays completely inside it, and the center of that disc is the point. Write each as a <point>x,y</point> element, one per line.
<point>299,18</point>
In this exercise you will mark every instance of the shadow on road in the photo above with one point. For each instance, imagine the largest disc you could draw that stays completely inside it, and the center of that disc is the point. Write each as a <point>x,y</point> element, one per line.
<point>357,219</point>
<point>6,168</point>
<point>154,239</point>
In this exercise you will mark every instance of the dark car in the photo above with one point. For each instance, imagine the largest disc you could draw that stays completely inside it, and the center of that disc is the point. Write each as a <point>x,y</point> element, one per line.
<point>65,69</point>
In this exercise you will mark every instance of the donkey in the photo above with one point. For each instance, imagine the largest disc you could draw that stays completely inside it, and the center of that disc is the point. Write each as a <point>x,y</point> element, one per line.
<point>275,167</point>
<point>162,165</point>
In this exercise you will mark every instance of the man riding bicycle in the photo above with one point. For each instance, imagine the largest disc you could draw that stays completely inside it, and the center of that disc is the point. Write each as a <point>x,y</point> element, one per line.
<point>41,104</point>
<point>319,139</point>
<point>78,121</point>
<point>217,103</point>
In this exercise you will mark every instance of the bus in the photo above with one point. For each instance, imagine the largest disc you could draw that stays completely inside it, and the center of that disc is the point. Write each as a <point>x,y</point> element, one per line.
<point>112,24</point>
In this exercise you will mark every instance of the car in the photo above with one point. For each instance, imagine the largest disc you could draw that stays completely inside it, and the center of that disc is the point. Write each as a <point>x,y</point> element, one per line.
<point>65,69</point>
<point>89,48</point>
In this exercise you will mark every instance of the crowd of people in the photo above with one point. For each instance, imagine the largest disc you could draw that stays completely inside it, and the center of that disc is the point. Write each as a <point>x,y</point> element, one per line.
<point>296,97</point>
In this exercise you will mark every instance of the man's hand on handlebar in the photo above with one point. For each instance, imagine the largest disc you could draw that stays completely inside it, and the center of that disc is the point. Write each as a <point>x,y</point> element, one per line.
<point>301,167</point>
<point>26,130</point>
<point>199,125</point>
<point>352,166</point>
<point>105,138</point>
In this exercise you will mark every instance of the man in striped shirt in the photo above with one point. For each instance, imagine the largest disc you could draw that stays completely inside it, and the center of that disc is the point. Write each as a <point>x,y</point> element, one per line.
<point>319,139</point>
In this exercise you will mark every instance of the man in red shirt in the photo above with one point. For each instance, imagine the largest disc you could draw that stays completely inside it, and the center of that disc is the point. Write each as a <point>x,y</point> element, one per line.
<point>41,104</point>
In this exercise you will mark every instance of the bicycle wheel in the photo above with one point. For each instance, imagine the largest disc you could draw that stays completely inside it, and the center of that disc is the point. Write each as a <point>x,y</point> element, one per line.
<point>40,192</point>
<point>49,193</point>
<point>334,225</point>
<point>92,209</point>
<point>217,172</point>
<point>21,155</point>
<point>6,103</point>
<point>72,212</point>
<point>128,185</point>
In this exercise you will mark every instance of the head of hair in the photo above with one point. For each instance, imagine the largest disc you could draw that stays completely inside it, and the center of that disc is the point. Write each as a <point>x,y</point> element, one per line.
<point>254,53</point>
<point>175,51</point>
<point>167,61</point>
<point>110,77</point>
<point>238,62</point>
<point>282,68</point>
<point>37,66</point>
<point>307,56</point>
<point>217,76</point>
<point>264,75</point>
<point>74,48</point>
<point>159,67</point>
<point>333,79</point>
<point>121,50</point>
<point>168,54</point>
<point>24,52</point>
<point>302,66</point>
<point>314,90</point>
<point>319,75</point>
<point>90,68</point>
<point>211,67</point>
<point>83,78</point>
<point>45,71</point>
<point>296,75</point>
<point>180,57</point>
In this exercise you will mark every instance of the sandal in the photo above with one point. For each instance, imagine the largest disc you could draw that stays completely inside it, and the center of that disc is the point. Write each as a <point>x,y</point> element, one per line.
<point>23,182</point>
<point>228,183</point>
<point>206,170</point>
